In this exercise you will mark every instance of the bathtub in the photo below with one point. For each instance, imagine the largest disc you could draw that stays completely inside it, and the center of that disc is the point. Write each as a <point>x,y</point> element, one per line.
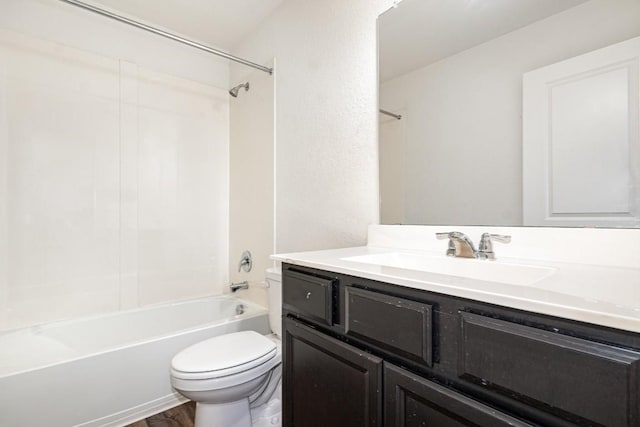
<point>112,369</point>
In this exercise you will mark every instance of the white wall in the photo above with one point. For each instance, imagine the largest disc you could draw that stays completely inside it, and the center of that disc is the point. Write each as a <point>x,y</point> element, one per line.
<point>251,204</point>
<point>326,119</point>
<point>114,179</point>
<point>68,25</point>
<point>468,107</point>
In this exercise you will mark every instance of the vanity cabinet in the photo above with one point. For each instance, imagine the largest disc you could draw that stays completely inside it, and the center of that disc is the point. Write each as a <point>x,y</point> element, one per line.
<point>369,353</point>
<point>411,400</point>
<point>328,382</point>
<point>595,381</point>
<point>398,325</point>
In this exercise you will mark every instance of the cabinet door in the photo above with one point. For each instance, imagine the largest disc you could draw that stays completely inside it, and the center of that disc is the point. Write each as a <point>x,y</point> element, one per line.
<point>412,401</point>
<point>587,382</point>
<point>327,382</point>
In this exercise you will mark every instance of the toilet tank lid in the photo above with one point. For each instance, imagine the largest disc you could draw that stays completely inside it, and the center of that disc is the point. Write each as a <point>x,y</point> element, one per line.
<point>223,352</point>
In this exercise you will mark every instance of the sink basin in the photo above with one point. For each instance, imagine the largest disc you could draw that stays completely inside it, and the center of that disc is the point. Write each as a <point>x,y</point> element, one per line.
<point>491,271</point>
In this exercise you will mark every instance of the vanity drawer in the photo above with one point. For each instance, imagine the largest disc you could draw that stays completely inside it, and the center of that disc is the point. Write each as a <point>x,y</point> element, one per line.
<point>309,295</point>
<point>579,380</point>
<point>401,326</point>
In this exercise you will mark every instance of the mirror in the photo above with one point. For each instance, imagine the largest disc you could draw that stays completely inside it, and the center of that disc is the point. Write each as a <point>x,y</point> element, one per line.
<point>461,152</point>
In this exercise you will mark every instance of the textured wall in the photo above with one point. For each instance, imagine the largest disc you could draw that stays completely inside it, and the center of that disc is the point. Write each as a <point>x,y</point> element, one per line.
<point>326,119</point>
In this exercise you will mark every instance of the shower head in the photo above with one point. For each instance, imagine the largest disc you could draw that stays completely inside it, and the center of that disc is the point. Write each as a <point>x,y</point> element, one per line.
<point>234,91</point>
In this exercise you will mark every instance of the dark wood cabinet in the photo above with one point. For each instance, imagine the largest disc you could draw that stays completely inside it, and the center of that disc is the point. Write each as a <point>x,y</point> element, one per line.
<point>327,382</point>
<point>583,380</point>
<point>412,401</point>
<point>359,352</point>
<point>310,295</point>
<point>396,324</point>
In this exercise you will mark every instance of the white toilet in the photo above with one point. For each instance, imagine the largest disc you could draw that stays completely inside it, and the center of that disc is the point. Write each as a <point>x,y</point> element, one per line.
<point>235,378</point>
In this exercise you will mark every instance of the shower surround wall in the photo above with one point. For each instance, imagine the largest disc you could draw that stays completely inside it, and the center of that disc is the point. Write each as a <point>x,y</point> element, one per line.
<point>113,174</point>
<point>251,176</point>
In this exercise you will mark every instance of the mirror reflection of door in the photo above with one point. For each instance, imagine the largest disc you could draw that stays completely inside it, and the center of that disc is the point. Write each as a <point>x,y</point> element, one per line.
<point>581,154</point>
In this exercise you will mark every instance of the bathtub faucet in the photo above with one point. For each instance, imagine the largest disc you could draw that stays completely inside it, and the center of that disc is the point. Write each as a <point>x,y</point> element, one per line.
<point>240,285</point>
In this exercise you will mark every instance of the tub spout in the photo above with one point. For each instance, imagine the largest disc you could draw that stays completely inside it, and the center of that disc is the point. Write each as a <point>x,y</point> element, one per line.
<point>240,285</point>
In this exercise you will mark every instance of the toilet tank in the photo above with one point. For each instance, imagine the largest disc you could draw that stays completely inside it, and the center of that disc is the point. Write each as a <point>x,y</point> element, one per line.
<point>274,293</point>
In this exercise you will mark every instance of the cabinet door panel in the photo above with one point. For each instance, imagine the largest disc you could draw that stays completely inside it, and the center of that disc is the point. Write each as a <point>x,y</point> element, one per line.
<point>412,401</point>
<point>327,382</point>
<point>567,376</point>
<point>396,324</point>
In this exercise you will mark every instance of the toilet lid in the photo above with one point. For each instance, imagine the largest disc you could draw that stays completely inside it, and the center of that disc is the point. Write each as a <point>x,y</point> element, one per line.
<point>225,354</point>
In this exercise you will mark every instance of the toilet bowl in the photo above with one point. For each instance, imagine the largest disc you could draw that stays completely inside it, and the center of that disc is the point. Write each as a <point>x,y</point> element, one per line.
<point>230,376</point>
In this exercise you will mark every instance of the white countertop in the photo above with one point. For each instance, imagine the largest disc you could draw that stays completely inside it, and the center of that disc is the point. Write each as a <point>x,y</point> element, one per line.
<point>597,294</point>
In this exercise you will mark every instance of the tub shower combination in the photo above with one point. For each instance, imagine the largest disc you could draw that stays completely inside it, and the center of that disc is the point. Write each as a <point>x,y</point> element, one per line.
<point>111,369</point>
<point>72,220</point>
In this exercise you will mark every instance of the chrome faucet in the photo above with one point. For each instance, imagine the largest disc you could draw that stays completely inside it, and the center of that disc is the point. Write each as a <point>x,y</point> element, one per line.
<point>240,285</point>
<point>485,249</point>
<point>245,262</point>
<point>460,245</point>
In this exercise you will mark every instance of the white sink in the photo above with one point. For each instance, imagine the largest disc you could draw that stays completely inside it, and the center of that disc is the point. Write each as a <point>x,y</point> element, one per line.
<point>490,271</point>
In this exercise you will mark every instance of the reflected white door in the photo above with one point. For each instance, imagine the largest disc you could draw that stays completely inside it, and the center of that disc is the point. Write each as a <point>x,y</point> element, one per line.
<point>581,155</point>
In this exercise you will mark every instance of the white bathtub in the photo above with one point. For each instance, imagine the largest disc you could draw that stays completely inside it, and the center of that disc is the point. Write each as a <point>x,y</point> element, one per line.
<point>108,370</point>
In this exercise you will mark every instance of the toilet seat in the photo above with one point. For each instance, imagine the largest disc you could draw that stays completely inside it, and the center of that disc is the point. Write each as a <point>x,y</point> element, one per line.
<point>223,355</point>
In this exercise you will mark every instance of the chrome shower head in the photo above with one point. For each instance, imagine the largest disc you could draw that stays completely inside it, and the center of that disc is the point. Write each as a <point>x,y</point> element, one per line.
<point>234,91</point>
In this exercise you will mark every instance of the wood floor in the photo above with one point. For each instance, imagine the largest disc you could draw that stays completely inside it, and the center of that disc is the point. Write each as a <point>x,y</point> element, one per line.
<point>180,416</point>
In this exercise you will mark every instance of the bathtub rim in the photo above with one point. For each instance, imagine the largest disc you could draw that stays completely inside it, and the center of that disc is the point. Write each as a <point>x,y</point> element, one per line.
<point>256,310</point>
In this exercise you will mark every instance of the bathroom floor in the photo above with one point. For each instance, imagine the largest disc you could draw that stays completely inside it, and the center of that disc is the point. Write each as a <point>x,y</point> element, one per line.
<point>180,416</point>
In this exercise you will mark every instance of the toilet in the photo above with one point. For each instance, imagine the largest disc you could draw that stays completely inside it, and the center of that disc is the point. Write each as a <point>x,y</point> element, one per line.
<point>239,386</point>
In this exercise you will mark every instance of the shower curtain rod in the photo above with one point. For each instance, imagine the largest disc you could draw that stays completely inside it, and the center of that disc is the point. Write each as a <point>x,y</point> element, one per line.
<point>167,35</point>
<point>389,113</point>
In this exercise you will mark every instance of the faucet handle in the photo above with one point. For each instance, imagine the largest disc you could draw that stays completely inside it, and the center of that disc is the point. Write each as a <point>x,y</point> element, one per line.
<point>485,248</point>
<point>502,238</point>
<point>451,250</point>
<point>245,262</point>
